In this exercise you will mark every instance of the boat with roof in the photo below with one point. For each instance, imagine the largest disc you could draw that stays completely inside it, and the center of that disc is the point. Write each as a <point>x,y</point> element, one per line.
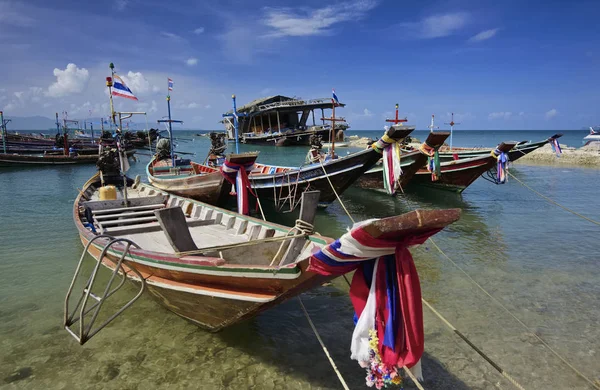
<point>283,121</point>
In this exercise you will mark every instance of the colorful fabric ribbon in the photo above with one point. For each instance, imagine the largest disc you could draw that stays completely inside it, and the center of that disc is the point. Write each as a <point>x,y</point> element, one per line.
<point>556,146</point>
<point>433,163</point>
<point>237,175</point>
<point>392,168</point>
<point>382,143</point>
<point>502,167</point>
<point>386,296</point>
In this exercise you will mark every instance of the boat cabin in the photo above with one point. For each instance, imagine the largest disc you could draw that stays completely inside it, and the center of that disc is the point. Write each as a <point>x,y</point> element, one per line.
<point>280,114</point>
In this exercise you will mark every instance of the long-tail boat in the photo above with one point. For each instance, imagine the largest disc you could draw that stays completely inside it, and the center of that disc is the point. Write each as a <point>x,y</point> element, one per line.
<point>69,155</point>
<point>330,175</point>
<point>521,149</point>
<point>457,175</point>
<point>410,162</point>
<point>211,266</point>
<point>186,178</point>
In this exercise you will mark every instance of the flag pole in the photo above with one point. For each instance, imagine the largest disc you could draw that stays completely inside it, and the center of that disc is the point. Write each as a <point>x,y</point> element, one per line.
<point>170,131</point>
<point>235,125</point>
<point>109,85</point>
<point>3,131</point>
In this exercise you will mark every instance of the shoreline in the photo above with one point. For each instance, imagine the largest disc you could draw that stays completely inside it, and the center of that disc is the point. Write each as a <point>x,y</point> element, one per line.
<point>583,157</point>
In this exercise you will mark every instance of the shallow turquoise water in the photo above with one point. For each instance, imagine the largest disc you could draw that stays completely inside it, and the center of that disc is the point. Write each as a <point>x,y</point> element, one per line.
<point>538,260</point>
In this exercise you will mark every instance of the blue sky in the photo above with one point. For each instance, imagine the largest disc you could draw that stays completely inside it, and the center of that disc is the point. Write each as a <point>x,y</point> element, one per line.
<point>495,64</point>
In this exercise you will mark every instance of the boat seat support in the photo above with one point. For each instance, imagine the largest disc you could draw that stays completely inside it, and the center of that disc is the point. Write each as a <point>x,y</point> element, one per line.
<point>173,223</point>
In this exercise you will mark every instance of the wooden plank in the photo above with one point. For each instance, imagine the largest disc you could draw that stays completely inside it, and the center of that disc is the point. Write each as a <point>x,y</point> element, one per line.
<point>152,227</point>
<point>230,223</point>
<point>242,227</point>
<point>120,210</point>
<point>268,232</point>
<point>254,232</point>
<point>128,221</point>
<point>308,210</point>
<point>122,215</point>
<point>172,221</point>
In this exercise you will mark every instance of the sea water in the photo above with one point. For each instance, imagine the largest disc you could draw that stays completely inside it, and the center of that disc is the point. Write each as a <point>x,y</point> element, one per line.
<point>539,261</point>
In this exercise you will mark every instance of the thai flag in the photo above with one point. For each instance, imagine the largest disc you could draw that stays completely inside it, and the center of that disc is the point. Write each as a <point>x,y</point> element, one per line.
<point>121,89</point>
<point>335,98</point>
<point>170,84</point>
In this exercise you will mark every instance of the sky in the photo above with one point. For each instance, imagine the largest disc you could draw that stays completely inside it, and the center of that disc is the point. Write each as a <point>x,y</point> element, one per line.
<point>495,64</point>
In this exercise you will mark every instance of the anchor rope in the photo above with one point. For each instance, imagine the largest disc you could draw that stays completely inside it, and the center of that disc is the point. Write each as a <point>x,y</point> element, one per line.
<point>304,228</point>
<point>336,194</point>
<point>579,373</point>
<point>466,340</point>
<point>553,201</point>
<point>312,325</point>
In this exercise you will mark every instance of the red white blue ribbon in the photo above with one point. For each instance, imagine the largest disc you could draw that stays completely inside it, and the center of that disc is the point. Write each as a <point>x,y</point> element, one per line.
<point>237,175</point>
<point>385,293</point>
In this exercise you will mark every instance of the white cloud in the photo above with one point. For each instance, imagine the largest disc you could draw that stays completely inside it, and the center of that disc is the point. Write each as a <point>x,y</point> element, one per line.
<point>155,88</point>
<point>137,82</point>
<point>199,30</point>
<point>482,36</point>
<point>367,113</point>
<point>437,26</point>
<point>68,81</point>
<point>170,35</point>
<point>148,108</point>
<point>303,22</point>
<point>208,106</point>
<point>192,105</point>
<point>120,5</point>
<point>191,61</point>
<point>552,113</point>
<point>500,115</point>
<point>521,114</point>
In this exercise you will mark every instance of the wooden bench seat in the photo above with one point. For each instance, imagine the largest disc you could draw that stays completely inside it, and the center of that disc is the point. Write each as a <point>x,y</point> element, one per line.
<point>127,209</point>
<point>137,213</point>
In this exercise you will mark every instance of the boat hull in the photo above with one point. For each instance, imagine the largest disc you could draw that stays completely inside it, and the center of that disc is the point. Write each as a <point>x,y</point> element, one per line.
<point>291,139</point>
<point>411,162</point>
<point>456,175</point>
<point>210,188</point>
<point>340,173</point>
<point>11,160</point>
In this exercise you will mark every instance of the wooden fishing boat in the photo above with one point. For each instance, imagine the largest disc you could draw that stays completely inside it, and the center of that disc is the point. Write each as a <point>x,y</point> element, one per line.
<point>15,159</point>
<point>211,266</point>
<point>457,175</point>
<point>521,149</point>
<point>285,185</point>
<point>193,180</point>
<point>410,162</point>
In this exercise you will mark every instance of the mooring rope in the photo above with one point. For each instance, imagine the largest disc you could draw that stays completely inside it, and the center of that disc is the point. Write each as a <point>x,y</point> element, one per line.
<point>554,202</point>
<point>336,194</point>
<point>474,347</point>
<point>572,367</point>
<point>304,228</point>
<point>466,340</point>
<point>312,325</point>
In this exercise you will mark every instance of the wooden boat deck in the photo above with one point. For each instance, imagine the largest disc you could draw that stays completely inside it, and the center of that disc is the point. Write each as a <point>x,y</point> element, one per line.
<point>208,226</point>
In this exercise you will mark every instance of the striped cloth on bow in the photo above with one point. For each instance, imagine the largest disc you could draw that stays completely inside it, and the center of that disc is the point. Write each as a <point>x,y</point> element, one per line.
<point>556,146</point>
<point>237,175</point>
<point>392,168</point>
<point>385,292</point>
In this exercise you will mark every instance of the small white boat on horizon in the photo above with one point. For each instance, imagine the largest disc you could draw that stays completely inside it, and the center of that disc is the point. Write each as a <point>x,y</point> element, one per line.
<point>593,136</point>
